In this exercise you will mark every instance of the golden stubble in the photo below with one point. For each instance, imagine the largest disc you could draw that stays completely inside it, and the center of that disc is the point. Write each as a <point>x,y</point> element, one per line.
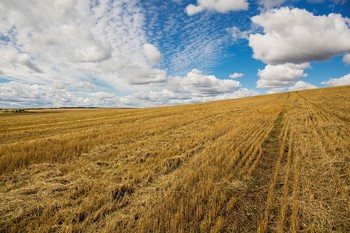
<point>274,163</point>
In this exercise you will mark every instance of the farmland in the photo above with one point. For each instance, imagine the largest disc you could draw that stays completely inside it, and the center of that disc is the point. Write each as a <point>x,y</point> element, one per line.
<point>275,163</point>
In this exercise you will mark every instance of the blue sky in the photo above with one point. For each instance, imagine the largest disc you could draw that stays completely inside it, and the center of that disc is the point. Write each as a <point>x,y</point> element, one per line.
<point>135,53</point>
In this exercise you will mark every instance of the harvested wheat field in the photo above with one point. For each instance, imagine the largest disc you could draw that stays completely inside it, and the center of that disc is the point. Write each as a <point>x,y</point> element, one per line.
<point>274,163</point>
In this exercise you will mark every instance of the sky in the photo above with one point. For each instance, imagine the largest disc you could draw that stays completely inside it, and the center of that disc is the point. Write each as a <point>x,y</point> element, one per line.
<point>145,53</point>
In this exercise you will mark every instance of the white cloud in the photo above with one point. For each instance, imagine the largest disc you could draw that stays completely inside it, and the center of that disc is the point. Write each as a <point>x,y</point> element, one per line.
<point>14,94</point>
<point>152,53</point>
<point>301,85</point>
<point>167,97</point>
<point>345,80</point>
<point>236,75</point>
<point>346,58</point>
<point>291,39</point>
<point>280,76</point>
<point>191,88</point>
<point>140,75</point>
<point>237,34</point>
<point>91,53</point>
<point>192,9</point>
<point>85,85</point>
<point>221,6</point>
<point>267,4</point>
<point>23,61</point>
<point>71,41</point>
<point>196,83</point>
<point>298,36</point>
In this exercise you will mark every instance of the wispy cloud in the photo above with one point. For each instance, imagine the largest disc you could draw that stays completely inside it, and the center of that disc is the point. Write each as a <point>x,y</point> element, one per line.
<point>187,42</point>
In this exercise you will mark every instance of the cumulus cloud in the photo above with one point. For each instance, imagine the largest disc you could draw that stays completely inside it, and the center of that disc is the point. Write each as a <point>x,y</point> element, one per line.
<point>92,53</point>
<point>168,97</point>
<point>291,39</point>
<point>71,41</point>
<point>97,53</point>
<point>221,6</point>
<point>141,75</point>
<point>298,36</point>
<point>280,76</point>
<point>301,85</point>
<point>88,53</point>
<point>192,9</point>
<point>16,94</point>
<point>152,53</point>
<point>346,58</point>
<point>236,75</point>
<point>345,80</point>
<point>196,83</point>
<point>191,88</point>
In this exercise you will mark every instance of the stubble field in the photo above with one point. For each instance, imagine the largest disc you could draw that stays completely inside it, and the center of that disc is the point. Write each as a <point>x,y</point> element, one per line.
<point>273,163</point>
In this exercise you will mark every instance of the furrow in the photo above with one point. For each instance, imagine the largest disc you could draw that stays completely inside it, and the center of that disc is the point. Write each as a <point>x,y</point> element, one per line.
<point>271,193</point>
<point>295,194</point>
<point>255,155</point>
<point>284,199</point>
<point>253,143</point>
<point>254,163</point>
<point>240,152</point>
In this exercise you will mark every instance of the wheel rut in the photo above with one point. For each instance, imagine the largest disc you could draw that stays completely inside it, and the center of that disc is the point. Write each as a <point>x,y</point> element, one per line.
<point>262,175</point>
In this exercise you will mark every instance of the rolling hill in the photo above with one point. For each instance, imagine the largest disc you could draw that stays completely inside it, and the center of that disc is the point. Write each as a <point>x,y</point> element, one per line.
<point>273,163</point>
